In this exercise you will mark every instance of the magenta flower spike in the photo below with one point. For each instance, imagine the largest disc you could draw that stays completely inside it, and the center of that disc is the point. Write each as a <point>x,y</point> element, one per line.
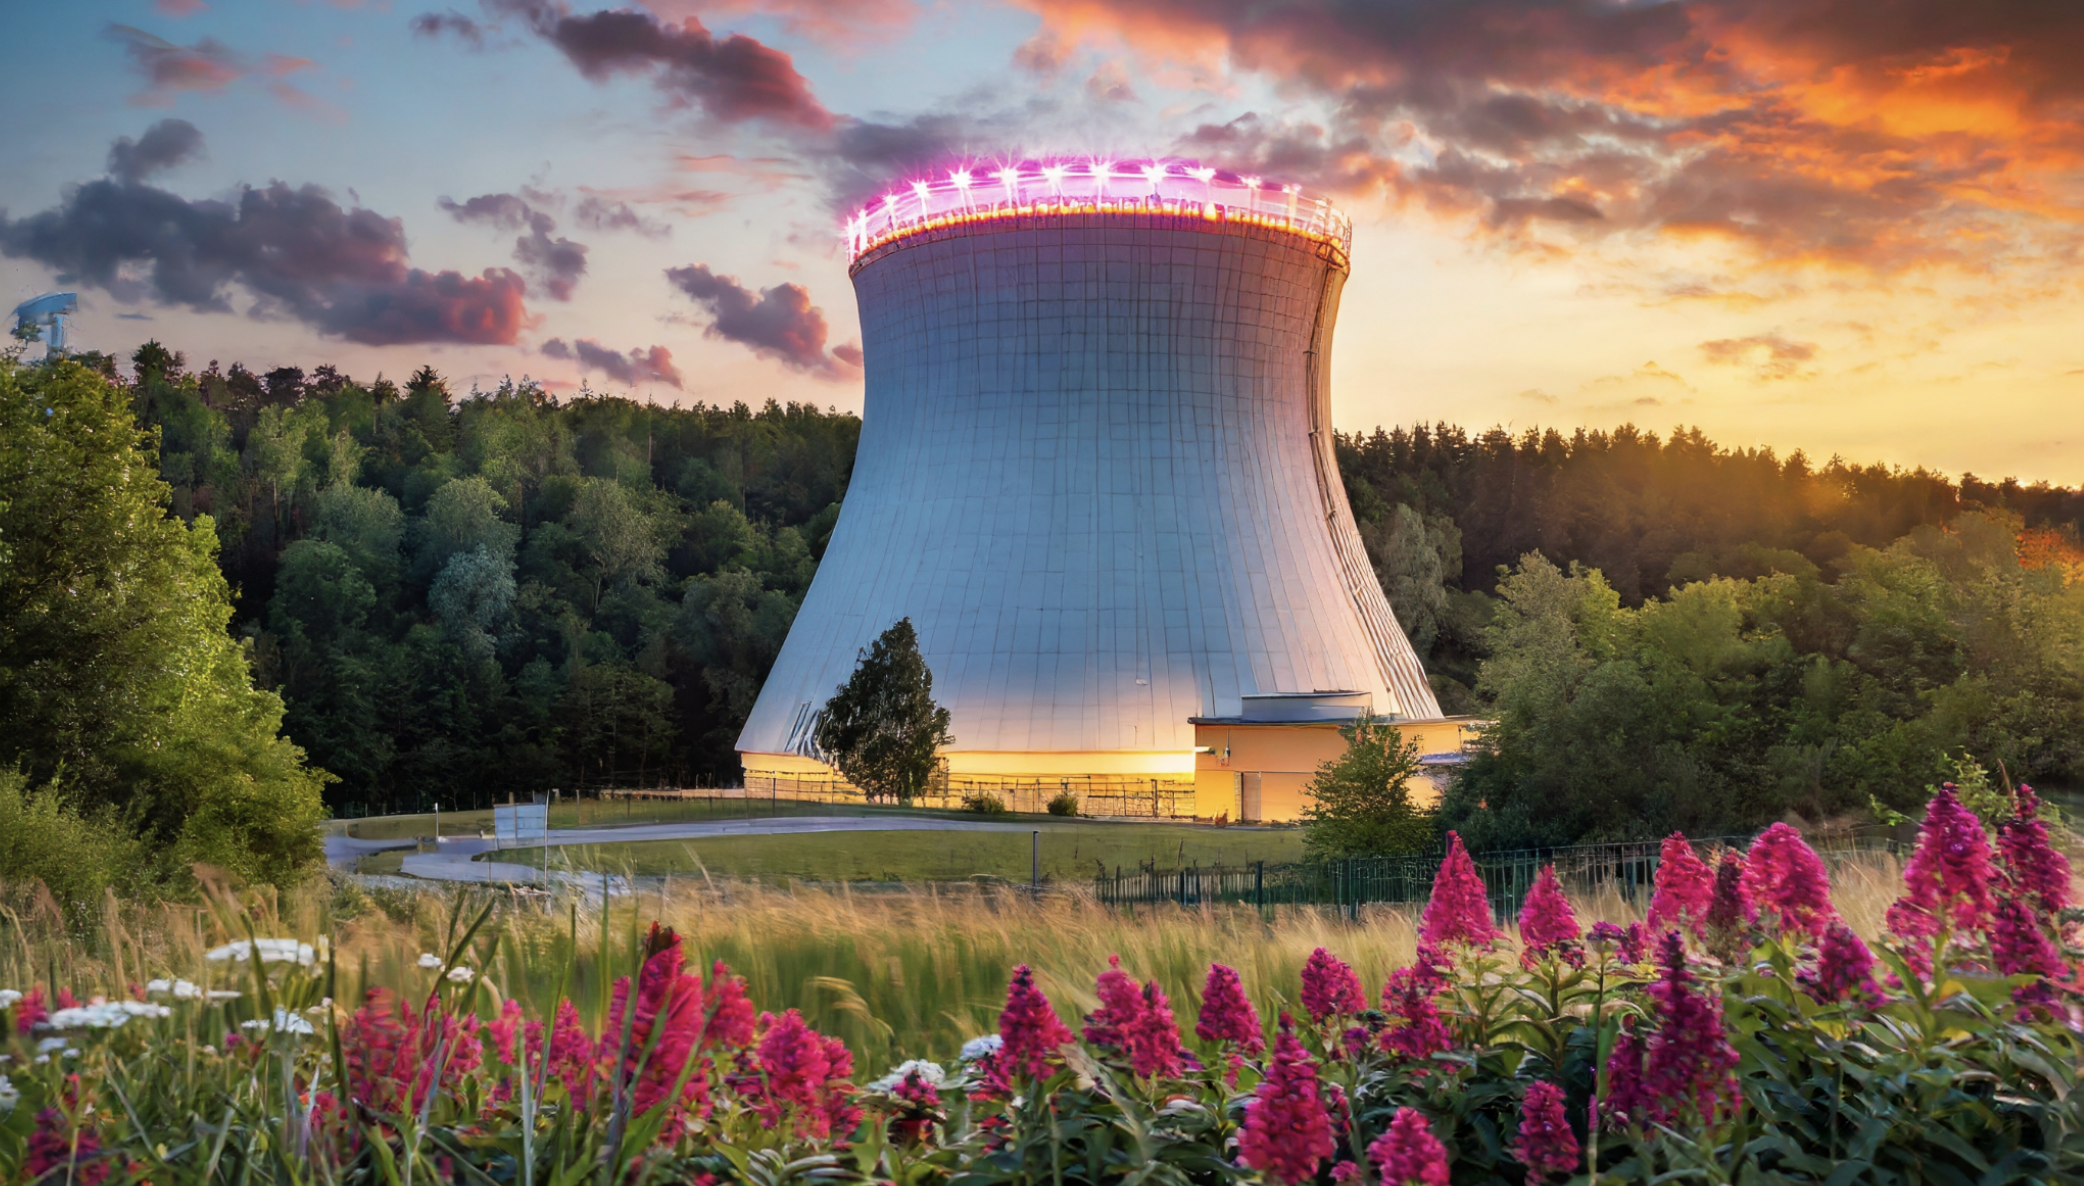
<point>1416,1031</point>
<point>1546,1145</point>
<point>1329,987</point>
<point>1947,882</point>
<point>1459,910</point>
<point>1121,1003</point>
<point>1685,887</point>
<point>1626,1101</point>
<point>2019,946</point>
<point>1287,1132</point>
<point>1786,881</point>
<point>1689,1065</point>
<point>1547,924</point>
<point>1407,1153</point>
<point>1029,1027</point>
<point>1844,967</point>
<point>2032,863</point>
<point>1227,1014</point>
<point>1152,1037</point>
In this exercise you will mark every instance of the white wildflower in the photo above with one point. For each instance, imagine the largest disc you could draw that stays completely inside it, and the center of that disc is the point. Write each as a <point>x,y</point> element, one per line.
<point>929,1073</point>
<point>158,988</point>
<point>272,951</point>
<point>8,997</point>
<point>105,1015</point>
<point>460,974</point>
<point>9,1096</point>
<point>429,960</point>
<point>219,994</point>
<point>49,1044</point>
<point>285,1022</point>
<point>977,1048</point>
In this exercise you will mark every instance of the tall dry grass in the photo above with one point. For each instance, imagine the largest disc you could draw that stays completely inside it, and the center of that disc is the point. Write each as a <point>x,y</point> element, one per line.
<point>898,975</point>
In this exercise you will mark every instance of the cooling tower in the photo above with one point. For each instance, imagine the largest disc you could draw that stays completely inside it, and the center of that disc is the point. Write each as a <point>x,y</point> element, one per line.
<point>1096,472</point>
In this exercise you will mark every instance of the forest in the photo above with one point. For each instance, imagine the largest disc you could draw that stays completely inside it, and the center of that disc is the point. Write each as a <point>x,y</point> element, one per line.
<point>458,595</point>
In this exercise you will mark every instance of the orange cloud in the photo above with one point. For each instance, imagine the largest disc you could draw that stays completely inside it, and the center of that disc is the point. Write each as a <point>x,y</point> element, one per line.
<point>1800,130</point>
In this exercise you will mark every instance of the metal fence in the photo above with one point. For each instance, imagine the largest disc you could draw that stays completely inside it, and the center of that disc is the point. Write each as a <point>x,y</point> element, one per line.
<point>1628,868</point>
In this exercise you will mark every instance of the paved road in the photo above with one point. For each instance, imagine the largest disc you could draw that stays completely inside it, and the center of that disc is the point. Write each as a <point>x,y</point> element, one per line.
<point>453,862</point>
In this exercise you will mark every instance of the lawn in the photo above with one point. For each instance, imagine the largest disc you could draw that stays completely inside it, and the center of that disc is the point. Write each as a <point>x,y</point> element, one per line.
<point>1070,850</point>
<point>609,813</point>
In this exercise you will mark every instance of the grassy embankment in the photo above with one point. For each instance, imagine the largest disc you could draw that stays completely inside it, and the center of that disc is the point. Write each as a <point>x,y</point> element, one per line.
<point>1071,849</point>
<point>896,975</point>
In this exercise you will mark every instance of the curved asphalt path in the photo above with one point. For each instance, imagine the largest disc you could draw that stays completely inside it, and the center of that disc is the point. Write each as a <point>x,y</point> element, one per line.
<point>454,861</point>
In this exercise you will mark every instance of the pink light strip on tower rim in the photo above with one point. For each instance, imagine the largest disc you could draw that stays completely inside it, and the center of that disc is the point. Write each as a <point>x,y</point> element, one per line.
<point>1093,187</point>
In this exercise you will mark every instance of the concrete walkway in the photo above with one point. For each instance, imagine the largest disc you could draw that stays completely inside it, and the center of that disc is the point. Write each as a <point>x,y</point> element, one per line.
<point>454,860</point>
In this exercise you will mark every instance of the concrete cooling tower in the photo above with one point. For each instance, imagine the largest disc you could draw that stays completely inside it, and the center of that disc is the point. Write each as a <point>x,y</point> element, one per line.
<point>1096,473</point>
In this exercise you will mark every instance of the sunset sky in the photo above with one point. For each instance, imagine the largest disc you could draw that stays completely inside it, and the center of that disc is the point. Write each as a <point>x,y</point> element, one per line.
<point>1851,228</point>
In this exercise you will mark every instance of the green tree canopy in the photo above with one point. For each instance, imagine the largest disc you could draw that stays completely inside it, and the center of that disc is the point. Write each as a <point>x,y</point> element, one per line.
<point>1361,800</point>
<point>120,686</point>
<point>882,727</point>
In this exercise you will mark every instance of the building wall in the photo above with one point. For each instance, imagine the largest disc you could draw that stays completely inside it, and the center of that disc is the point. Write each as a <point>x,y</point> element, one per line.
<point>1091,472</point>
<point>1283,758</point>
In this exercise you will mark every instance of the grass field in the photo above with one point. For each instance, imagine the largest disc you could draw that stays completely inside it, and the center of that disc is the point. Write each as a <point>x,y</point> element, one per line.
<point>1070,850</point>
<point>599,813</point>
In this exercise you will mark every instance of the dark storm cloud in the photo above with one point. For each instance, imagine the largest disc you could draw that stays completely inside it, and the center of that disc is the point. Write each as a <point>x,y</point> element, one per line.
<point>168,143</point>
<point>641,364</point>
<point>732,79</point>
<point>1807,129</point>
<point>557,262</point>
<point>778,323</point>
<point>295,250</point>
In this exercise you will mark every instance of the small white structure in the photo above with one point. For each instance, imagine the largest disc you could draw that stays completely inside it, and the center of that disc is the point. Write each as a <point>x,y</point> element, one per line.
<point>521,824</point>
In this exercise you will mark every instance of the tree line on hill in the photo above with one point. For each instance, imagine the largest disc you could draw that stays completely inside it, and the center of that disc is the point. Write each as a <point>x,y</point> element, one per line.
<point>452,598</point>
<point>1671,635</point>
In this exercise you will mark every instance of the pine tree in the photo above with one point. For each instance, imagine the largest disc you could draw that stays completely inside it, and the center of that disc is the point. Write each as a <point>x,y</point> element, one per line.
<point>882,728</point>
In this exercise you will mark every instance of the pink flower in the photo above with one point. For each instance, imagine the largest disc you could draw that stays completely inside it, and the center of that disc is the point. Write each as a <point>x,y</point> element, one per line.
<point>1947,881</point>
<point>1286,1132</point>
<point>1685,887</point>
<point>730,1010</point>
<point>1730,913</point>
<point>1408,1153</point>
<point>669,1005</point>
<point>1626,1101</point>
<point>1844,967</point>
<point>1786,879</point>
<point>503,1030</point>
<point>1329,987</point>
<point>2019,946</point>
<point>1459,911</point>
<point>1688,1070</point>
<point>1029,1027</point>
<point>572,1053</point>
<point>1152,1037</point>
<point>1546,1145</point>
<point>2036,869</point>
<point>1627,944</point>
<point>1227,1014</point>
<point>1547,924</point>
<point>1416,1031</point>
<point>30,1011</point>
<point>1121,1002</point>
<point>793,1059</point>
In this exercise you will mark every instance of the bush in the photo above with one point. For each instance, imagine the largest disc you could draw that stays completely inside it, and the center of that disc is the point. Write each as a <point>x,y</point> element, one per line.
<point>983,803</point>
<point>1065,804</point>
<point>45,838</point>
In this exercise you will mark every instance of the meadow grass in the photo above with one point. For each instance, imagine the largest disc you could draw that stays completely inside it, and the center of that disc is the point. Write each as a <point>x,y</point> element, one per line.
<point>911,973</point>
<point>1070,850</point>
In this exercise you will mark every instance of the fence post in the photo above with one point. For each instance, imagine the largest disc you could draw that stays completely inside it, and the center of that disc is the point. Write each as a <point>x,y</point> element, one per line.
<point>1259,885</point>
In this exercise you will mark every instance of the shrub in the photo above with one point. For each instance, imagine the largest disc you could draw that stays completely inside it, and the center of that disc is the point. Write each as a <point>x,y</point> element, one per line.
<point>983,803</point>
<point>44,837</point>
<point>1065,803</point>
